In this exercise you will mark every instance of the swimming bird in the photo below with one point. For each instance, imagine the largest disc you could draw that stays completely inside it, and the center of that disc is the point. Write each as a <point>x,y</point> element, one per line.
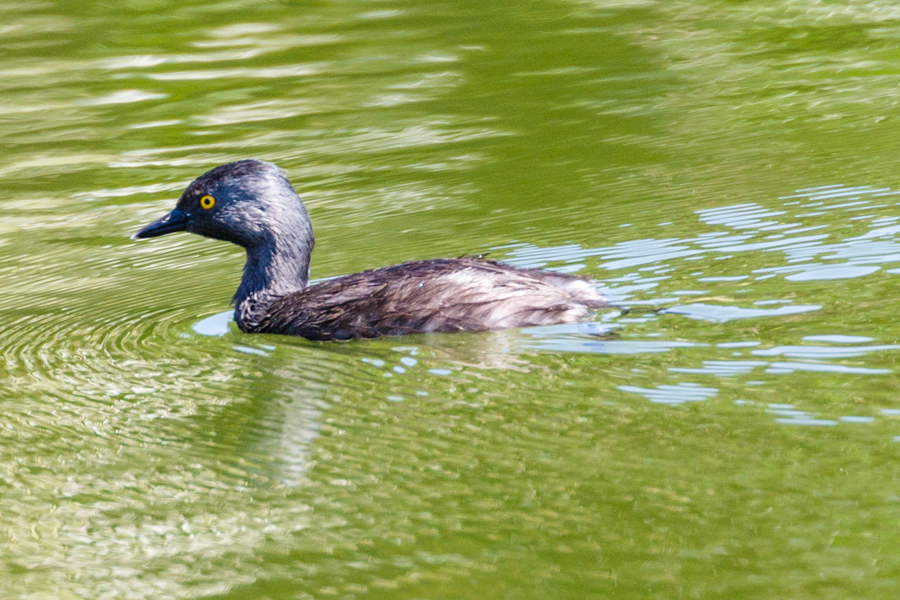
<point>252,204</point>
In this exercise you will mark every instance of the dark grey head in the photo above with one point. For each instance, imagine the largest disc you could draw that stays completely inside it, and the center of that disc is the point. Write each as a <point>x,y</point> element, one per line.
<point>249,203</point>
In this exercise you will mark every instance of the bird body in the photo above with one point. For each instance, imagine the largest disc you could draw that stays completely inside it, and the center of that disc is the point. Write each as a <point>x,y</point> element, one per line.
<point>438,295</point>
<point>251,203</point>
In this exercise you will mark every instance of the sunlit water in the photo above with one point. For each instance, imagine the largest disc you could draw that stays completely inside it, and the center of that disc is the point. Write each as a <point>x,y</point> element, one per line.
<point>726,173</point>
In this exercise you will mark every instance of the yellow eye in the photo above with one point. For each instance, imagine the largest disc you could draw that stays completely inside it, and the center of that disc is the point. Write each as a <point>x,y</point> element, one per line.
<point>207,202</point>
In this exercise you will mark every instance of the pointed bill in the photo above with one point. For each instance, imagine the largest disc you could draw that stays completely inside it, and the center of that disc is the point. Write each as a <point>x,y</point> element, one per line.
<point>177,220</point>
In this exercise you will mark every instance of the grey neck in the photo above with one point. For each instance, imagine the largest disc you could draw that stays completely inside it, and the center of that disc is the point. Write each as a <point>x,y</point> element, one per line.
<point>273,269</point>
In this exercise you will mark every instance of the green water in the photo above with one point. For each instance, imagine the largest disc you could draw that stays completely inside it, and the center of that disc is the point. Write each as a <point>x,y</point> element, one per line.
<point>733,163</point>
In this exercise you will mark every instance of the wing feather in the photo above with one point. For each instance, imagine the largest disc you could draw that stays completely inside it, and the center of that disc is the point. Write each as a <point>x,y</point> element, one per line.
<point>465,294</point>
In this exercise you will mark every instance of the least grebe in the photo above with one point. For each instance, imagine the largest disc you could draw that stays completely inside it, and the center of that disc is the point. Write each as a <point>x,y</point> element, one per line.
<point>252,204</point>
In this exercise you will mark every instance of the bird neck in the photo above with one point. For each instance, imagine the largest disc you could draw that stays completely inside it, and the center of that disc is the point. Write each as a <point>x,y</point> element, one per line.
<point>273,269</point>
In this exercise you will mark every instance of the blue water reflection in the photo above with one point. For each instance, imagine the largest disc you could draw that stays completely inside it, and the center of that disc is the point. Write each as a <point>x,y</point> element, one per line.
<point>781,235</point>
<point>673,394</point>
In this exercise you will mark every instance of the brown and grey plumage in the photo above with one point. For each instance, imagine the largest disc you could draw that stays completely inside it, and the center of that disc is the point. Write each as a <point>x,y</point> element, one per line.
<point>463,294</point>
<point>252,204</point>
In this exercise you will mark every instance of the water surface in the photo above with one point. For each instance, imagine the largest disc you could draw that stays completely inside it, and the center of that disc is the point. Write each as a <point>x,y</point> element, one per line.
<point>725,171</point>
